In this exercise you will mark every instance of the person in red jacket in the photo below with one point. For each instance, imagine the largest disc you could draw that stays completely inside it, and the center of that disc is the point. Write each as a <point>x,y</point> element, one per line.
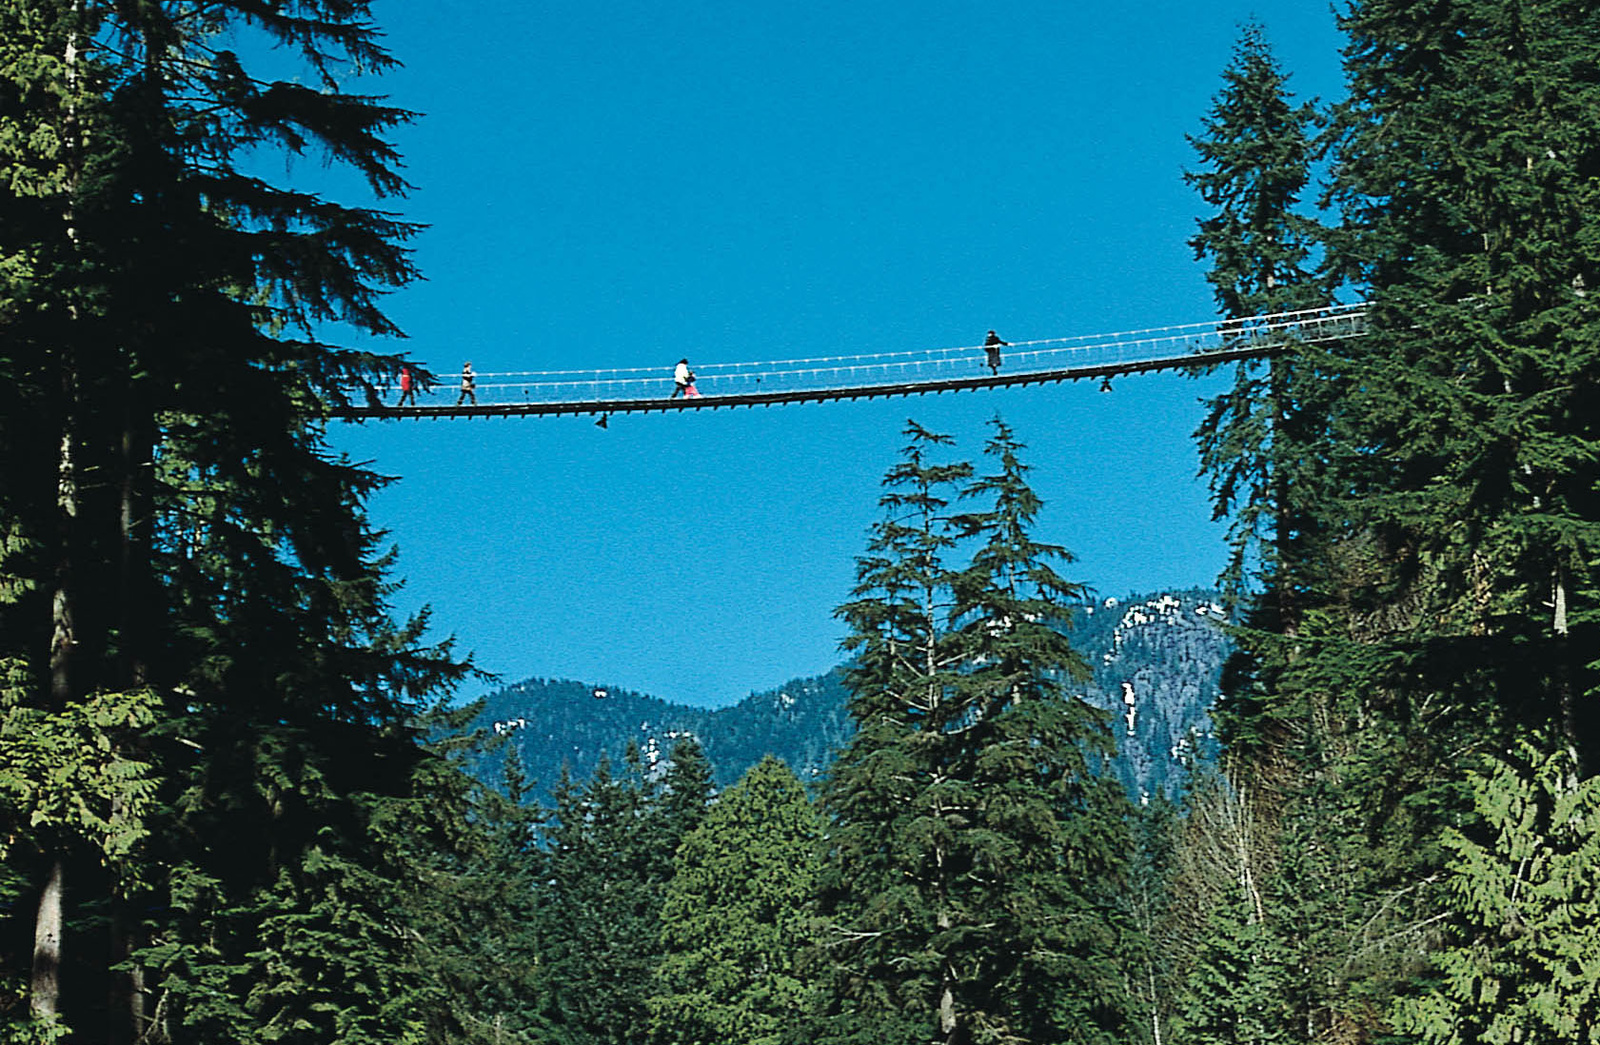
<point>408,386</point>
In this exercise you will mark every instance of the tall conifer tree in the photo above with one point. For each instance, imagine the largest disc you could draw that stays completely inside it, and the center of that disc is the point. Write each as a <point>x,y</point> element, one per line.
<point>1043,848</point>
<point>604,882</point>
<point>1456,533</point>
<point>1263,441</point>
<point>1465,170</point>
<point>878,983</point>
<point>177,538</point>
<point>974,850</point>
<point>733,924</point>
<point>1266,446</point>
<point>596,923</point>
<point>468,867</point>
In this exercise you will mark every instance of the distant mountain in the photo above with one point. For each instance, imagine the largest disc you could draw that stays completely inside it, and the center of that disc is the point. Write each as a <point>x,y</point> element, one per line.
<point>1156,659</point>
<point>557,722</point>
<point>1157,664</point>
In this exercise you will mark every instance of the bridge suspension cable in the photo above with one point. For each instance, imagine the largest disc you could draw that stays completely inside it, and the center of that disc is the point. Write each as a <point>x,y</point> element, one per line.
<point>858,375</point>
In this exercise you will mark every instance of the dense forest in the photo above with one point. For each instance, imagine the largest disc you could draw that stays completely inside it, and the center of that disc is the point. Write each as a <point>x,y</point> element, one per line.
<point>234,804</point>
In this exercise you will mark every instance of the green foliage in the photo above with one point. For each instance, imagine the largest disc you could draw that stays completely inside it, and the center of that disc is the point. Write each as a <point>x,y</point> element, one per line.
<point>1464,173</point>
<point>734,919</point>
<point>293,933</point>
<point>973,849</point>
<point>1255,154</point>
<point>1152,909</point>
<point>66,773</point>
<point>1429,592</point>
<point>1521,960</point>
<point>467,861</point>
<point>603,883</point>
<point>1254,443</point>
<point>30,1031</point>
<point>407,916</point>
<point>880,982</point>
<point>1235,989</point>
<point>207,707</point>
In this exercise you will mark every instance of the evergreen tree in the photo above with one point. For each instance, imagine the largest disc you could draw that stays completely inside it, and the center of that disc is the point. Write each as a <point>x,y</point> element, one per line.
<point>734,920</point>
<point>1307,946</point>
<point>877,986</point>
<point>1465,172</point>
<point>1234,988</point>
<point>595,918</point>
<point>973,849</point>
<point>470,862</point>
<point>1255,154</point>
<point>1046,837</point>
<point>1449,592</point>
<point>1152,877</point>
<point>1522,961</point>
<point>1437,583</point>
<point>605,877</point>
<point>188,576</point>
<point>1265,447</point>
<point>680,801</point>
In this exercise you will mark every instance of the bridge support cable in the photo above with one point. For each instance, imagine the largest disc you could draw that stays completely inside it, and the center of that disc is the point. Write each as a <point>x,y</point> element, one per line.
<point>875,374</point>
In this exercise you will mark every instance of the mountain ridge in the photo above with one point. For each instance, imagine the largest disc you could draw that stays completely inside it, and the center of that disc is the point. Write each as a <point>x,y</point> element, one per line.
<point>1156,662</point>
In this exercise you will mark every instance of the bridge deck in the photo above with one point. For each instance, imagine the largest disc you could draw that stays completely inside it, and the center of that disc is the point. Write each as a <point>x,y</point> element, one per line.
<point>877,375</point>
<point>811,395</point>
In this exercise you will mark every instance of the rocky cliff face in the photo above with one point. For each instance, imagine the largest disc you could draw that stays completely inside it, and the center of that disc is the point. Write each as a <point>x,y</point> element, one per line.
<point>1156,660</point>
<point>1157,664</point>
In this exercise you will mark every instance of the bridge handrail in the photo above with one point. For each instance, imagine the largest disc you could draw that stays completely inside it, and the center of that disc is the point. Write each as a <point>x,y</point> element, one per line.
<point>1147,348</point>
<point>1224,327</point>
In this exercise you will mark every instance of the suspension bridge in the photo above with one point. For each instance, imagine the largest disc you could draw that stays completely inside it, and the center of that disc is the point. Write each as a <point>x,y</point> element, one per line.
<point>868,375</point>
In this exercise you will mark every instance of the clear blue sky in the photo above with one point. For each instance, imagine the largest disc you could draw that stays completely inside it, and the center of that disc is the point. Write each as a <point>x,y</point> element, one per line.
<point>622,184</point>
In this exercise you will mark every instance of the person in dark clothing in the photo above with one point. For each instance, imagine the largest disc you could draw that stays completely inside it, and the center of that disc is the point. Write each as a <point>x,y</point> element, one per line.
<point>991,347</point>
<point>469,385</point>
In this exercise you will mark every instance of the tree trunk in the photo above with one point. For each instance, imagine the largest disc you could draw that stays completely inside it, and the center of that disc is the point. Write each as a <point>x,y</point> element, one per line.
<point>1558,624</point>
<point>1155,1009</point>
<point>44,991</point>
<point>134,612</point>
<point>1285,569</point>
<point>63,632</point>
<point>947,1013</point>
<point>126,1018</point>
<point>44,998</point>
<point>1245,842</point>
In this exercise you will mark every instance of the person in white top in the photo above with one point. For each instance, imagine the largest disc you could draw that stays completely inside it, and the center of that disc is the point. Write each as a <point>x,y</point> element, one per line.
<point>682,378</point>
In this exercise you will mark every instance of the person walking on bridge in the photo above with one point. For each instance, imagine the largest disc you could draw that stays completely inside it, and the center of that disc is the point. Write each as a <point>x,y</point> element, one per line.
<point>991,347</point>
<point>408,386</point>
<point>682,379</point>
<point>469,385</point>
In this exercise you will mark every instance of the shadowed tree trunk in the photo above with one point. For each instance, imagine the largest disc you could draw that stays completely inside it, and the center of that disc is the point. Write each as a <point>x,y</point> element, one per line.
<point>44,997</point>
